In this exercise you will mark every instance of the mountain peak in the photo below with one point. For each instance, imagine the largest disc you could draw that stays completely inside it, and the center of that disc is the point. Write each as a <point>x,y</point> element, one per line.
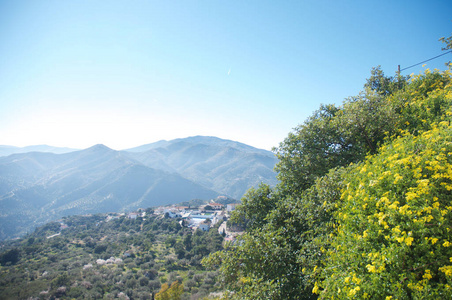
<point>200,139</point>
<point>99,147</point>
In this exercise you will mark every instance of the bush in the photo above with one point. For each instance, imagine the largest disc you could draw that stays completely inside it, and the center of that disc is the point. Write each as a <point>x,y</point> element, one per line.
<point>394,236</point>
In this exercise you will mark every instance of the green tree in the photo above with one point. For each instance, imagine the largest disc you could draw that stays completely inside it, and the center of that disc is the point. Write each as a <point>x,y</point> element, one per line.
<point>11,256</point>
<point>187,241</point>
<point>333,137</point>
<point>310,151</point>
<point>170,241</point>
<point>289,237</point>
<point>61,280</point>
<point>384,85</point>
<point>179,250</point>
<point>256,203</point>
<point>173,292</point>
<point>277,260</point>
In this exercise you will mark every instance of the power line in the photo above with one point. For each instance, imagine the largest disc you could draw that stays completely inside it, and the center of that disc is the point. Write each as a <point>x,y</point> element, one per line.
<point>400,70</point>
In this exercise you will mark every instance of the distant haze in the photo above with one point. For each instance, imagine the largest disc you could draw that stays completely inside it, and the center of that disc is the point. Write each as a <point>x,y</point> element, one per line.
<point>126,73</point>
<point>37,187</point>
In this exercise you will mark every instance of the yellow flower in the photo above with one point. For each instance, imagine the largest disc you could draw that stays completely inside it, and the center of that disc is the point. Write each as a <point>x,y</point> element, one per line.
<point>427,275</point>
<point>394,205</point>
<point>352,292</point>
<point>411,196</point>
<point>315,290</point>
<point>446,244</point>
<point>356,279</point>
<point>370,268</point>
<point>396,229</point>
<point>447,270</point>
<point>397,178</point>
<point>409,240</point>
<point>403,210</point>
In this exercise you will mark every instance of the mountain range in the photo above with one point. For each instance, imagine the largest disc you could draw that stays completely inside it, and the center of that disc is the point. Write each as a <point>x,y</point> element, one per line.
<point>37,187</point>
<point>8,150</point>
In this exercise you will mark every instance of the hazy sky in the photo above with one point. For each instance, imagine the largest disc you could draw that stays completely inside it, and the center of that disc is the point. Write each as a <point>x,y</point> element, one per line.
<point>126,73</point>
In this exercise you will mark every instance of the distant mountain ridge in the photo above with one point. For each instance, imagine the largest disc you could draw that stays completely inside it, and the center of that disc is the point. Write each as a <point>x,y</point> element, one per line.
<point>225,166</point>
<point>8,150</point>
<point>37,187</point>
<point>199,139</point>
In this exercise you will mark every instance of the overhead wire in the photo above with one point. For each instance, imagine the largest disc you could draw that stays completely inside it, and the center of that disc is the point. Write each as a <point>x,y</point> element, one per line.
<point>426,60</point>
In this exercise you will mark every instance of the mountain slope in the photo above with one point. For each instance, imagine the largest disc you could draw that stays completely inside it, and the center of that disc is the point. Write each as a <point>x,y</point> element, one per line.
<point>226,166</point>
<point>39,187</point>
<point>199,139</point>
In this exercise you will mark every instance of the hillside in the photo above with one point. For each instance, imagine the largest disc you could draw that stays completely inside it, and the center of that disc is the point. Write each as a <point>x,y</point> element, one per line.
<point>36,187</point>
<point>225,166</point>
<point>108,256</point>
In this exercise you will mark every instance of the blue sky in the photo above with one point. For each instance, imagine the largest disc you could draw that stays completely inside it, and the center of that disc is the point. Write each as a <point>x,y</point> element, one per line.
<point>127,73</point>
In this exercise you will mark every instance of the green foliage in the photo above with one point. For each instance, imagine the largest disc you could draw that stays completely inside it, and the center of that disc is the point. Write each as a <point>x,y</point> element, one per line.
<point>447,41</point>
<point>10,257</point>
<point>448,47</point>
<point>309,152</point>
<point>344,222</point>
<point>337,136</point>
<point>95,259</point>
<point>173,292</point>
<point>394,235</point>
<point>366,120</point>
<point>100,248</point>
<point>281,254</point>
<point>384,85</point>
<point>60,280</point>
<point>256,203</point>
<point>425,101</point>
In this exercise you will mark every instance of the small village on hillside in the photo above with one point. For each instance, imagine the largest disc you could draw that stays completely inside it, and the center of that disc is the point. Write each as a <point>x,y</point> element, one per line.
<point>203,217</point>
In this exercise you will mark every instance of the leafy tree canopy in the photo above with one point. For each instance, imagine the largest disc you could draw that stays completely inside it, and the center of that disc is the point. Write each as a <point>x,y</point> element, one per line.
<point>342,222</point>
<point>173,292</point>
<point>336,136</point>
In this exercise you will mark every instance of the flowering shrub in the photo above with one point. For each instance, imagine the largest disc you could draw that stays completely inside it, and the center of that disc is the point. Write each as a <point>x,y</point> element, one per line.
<point>394,227</point>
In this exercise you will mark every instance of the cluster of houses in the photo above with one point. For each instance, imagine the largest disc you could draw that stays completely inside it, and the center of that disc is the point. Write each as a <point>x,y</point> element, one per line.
<point>203,217</point>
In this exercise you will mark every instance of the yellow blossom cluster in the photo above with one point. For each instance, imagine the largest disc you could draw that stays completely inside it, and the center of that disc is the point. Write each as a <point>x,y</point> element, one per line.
<point>397,206</point>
